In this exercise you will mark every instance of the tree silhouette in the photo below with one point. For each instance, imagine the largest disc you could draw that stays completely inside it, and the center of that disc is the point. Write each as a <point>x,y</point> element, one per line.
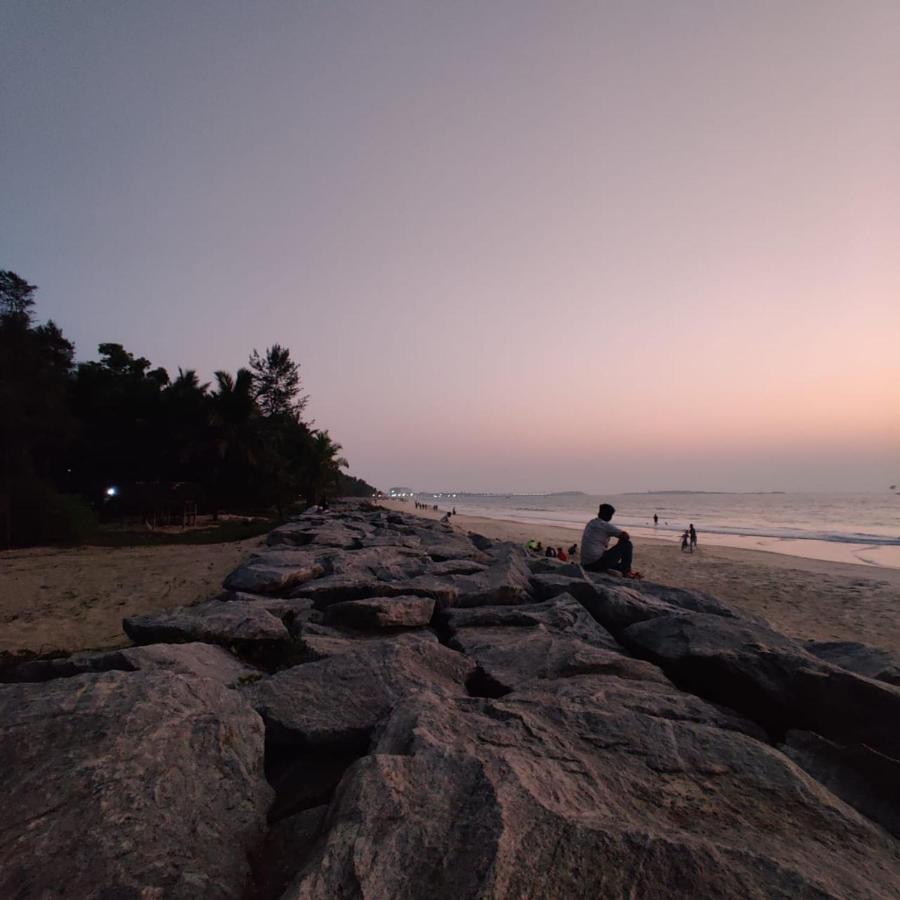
<point>35,423</point>
<point>70,433</point>
<point>276,382</point>
<point>323,465</point>
<point>233,438</point>
<point>16,297</point>
<point>185,411</point>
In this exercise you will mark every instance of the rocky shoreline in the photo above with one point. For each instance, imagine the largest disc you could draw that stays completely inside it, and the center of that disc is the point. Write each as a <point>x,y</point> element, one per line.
<point>380,706</point>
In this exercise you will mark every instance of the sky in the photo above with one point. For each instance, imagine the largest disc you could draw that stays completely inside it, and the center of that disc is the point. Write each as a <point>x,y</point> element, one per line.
<point>515,246</point>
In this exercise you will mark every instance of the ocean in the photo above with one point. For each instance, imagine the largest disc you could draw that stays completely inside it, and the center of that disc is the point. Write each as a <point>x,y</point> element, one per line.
<point>860,528</point>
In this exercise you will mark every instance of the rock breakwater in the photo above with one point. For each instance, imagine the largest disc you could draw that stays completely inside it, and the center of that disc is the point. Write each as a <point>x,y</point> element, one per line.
<point>380,706</point>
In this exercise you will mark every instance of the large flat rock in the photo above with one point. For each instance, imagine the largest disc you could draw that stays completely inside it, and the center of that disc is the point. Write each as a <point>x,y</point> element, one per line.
<point>212,622</point>
<point>615,606</point>
<point>337,702</point>
<point>382,612</point>
<point>318,642</point>
<point>505,581</point>
<point>561,614</point>
<point>588,787</point>
<point>340,588</point>
<point>508,658</point>
<point>864,659</point>
<point>141,784</point>
<point>321,531</point>
<point>680,598</point>
<point>385,563</point>
<point>772,678</point>
<point>276,572</point>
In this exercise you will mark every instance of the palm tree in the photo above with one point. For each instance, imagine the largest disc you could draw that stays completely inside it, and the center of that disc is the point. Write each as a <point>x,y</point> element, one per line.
<point>234,447</point>
<point>188,384</point>
<point>323,464</point>
<point>184,411</point>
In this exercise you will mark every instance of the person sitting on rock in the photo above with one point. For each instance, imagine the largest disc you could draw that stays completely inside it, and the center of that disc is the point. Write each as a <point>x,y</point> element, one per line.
<point>561,554</point>
<point>550,552</point>
<point>596,554</point>
<point>573,550</point>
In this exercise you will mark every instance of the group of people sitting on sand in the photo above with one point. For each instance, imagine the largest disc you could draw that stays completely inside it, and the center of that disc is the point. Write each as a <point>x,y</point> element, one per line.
<point>537,547</point>
<point>596,553</point>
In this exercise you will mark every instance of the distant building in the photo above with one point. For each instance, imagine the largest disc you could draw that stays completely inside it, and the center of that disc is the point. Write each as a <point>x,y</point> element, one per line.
<point>401,492</point>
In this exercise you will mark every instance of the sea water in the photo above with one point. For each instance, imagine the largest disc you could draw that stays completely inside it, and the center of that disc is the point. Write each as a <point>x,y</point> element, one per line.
<point>840,527</point>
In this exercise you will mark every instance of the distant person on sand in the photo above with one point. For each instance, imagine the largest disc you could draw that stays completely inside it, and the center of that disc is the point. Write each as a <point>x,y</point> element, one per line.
<point>686,541</point>
<point>596,554</point>
<point>655,519</point>
<point>693,536</point>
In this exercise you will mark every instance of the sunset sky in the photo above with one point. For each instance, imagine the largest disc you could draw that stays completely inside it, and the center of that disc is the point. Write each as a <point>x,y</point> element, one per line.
<point>515,246</point>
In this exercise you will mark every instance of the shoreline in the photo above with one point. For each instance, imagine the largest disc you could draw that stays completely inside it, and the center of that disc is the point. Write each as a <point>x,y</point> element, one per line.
<point>806,598</point>
<point>871,553</point>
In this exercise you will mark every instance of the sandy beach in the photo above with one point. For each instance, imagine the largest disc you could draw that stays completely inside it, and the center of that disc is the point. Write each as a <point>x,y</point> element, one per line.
<point>804,598</point>
<point>75,598</point>
<point>55,599</point>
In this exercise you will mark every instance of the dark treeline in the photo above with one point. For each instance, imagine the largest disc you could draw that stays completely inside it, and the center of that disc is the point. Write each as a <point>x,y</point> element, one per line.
<point>119,437</point>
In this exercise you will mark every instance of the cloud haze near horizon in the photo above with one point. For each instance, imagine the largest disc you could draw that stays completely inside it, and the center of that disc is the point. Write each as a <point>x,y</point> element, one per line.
<point>515,246</point>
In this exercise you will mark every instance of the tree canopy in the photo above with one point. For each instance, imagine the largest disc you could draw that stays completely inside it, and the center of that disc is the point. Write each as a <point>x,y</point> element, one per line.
<point>276,382</point>
<point>117,435</point>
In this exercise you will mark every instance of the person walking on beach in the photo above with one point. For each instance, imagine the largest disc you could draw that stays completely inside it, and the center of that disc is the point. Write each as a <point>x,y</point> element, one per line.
<point>655,519</point>
<point>693,537</point>
<point>597,555</point>
<point>685,541</point>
